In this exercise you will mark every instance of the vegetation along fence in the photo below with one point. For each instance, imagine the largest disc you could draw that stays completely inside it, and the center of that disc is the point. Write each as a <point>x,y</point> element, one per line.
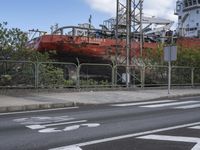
<point>25,74</point>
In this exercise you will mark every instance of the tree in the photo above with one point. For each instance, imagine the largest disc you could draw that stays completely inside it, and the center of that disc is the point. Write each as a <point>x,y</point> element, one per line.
<point>12,41</point>
<point>13,46</point>
<point>188,57</point>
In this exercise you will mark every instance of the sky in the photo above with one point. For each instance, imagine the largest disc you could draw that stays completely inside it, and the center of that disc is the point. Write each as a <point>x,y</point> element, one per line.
<point>41,14</point>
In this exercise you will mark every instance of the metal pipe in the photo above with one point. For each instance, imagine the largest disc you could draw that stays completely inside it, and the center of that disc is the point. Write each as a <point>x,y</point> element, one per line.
<point>116,32</point>
<point>128,41</point>
<point>141,28</point>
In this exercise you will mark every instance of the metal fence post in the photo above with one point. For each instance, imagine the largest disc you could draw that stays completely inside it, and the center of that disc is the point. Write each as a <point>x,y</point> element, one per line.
<point>142,76</point>
<point>192,77</point>
<point>78,77</point>
<point>113,76</point>
<point>37,74</point>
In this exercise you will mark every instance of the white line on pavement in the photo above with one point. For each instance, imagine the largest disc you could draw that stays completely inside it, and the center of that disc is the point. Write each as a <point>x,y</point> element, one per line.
<point>141,103</point>
<point>195,127</point>
<point>71,148</point>
<point>32,111</point>
<point>188,106</point>
<point>174,139</point>
<point>49,130</point>
<point>169,104</point>
<point>124,137</point>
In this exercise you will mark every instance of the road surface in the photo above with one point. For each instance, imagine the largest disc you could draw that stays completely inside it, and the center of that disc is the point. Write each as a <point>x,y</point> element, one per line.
<point>169,124</point>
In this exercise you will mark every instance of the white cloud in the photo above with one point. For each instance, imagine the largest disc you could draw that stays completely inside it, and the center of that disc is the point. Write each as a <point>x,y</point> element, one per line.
<point>158,8</point>
<point>107,6</point>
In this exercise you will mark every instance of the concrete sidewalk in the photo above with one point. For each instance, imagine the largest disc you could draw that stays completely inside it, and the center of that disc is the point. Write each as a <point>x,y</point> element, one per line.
<point>35,101</point>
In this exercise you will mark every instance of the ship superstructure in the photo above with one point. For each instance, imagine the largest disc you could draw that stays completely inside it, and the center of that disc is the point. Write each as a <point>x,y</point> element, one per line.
<point>188,12</point>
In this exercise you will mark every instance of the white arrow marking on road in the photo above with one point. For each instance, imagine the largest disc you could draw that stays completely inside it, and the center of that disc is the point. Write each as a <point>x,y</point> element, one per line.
<point>70,148</point>
<point>49,130</point>
<point>142,103</point>
<point>36,127</point>
<point>55,124</point>
<point>174,139</point>
<point>91,125</point>
<point>70,128</point>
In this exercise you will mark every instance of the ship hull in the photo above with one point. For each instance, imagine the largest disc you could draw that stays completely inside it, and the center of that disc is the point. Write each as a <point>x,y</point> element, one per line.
<point>98,50</point>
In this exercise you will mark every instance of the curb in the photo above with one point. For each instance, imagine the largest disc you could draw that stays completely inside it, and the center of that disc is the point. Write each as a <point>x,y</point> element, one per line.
<point>47,106</point>
<point>35,107</point>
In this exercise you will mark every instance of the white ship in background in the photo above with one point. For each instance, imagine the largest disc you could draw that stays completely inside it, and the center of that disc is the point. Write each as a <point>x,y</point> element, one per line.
<point>188,12</point>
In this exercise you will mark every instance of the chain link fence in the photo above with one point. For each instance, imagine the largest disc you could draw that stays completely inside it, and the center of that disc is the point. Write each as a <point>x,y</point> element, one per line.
<point>120,75</point>
<point>56,75</point>
<point>182,76</point>
<point>25,74</point>
<point>196,76</point>
<point>156,76</point>
<point>18,74</point>
<point>95,75</point>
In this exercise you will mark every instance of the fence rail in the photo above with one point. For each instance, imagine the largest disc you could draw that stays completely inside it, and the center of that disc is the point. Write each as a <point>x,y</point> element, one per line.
<point>27,74</point>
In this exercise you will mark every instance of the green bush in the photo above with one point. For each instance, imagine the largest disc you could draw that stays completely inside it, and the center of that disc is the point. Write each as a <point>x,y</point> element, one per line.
<point>5,80</point>
<point>51,76</point>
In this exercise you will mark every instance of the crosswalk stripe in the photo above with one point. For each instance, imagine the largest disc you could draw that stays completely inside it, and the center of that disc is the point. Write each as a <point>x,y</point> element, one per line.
<point>142,103</point>
<point>169,104</point>
<point>188,106</point>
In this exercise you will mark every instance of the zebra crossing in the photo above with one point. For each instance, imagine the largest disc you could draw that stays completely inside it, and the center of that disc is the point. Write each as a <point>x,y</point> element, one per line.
<point>173,104</point>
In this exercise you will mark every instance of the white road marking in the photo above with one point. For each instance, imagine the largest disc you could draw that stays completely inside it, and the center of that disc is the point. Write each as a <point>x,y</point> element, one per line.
<point>70,128</point>
<point>71,148</point>
<point>55,124</point>
<point>49,130</point>
<point>34,127</point>
<point>188,106</point>
<point>141,103</point>
<point>33,111</point>
<point>174,139</point>
<point>195,127</point>
<point>125,136</point>
<point>169,104</point>
<point>91,125</point>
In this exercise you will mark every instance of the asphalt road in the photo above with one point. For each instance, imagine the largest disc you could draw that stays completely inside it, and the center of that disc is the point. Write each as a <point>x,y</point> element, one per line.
<point>154,125</point>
